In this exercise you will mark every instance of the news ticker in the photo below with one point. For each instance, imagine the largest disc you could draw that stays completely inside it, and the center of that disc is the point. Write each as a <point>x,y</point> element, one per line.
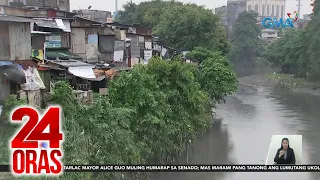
<point>185,168</point>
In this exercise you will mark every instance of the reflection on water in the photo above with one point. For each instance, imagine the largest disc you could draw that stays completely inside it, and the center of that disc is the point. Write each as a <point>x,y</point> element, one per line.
<point>215,141</point>
<point>250,118</point>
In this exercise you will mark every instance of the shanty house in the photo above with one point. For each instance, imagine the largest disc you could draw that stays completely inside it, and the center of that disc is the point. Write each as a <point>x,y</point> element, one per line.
<point>15,44</point>
<point>93,41</point>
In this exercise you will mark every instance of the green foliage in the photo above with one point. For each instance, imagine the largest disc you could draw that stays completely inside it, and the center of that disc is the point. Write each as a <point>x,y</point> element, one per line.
<point>147,13</point>
<point>96,134</point>
<point>284,54</point>
<point>189,26</point>
<point>150,115</point>
<point>170,107</point>
<point>181,26</point>
<point>200,54</point>
<point>285,81</point>
<point>7,129</point>
<point>316,7</point>
<point>215,74</point>
<point>217,78</point>
<point>10,103</point>
<point>245,40</point>
<point>297,52</point>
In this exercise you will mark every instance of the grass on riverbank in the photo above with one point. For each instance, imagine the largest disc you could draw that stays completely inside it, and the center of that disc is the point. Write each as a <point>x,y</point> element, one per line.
<point>287,81</point>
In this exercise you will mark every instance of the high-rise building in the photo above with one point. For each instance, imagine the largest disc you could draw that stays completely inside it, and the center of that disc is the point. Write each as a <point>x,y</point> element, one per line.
<point>265,8</point>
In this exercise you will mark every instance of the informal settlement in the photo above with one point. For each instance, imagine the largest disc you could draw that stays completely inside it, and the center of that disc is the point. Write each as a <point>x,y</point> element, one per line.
<point>40,45</point>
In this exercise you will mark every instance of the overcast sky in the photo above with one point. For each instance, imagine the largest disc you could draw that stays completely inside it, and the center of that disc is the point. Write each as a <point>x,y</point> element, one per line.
<point>109,5</point>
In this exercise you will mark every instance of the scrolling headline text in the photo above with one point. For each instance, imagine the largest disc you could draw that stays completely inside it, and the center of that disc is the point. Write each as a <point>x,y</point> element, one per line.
<point>185,168</point>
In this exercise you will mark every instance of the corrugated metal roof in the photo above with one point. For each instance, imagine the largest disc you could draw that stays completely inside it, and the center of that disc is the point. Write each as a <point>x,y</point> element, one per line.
<point>71,63</point>
<point>48,24</point>
<point>14,19</point>
<point>26,63</point>
<point>61,53</point>
<point>54,23</point>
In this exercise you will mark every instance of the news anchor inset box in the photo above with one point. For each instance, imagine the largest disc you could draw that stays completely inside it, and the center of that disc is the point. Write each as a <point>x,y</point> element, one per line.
<point>295,142</point>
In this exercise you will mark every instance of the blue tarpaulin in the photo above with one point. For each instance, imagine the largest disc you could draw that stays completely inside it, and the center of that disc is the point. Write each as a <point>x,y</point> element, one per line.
<point>20,67</point>
<point>5,63</point>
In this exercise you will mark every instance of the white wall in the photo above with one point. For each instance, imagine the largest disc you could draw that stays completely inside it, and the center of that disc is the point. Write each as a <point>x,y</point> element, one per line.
<point>269,3</point>
<point>269,35</point>
<point>295,142</point>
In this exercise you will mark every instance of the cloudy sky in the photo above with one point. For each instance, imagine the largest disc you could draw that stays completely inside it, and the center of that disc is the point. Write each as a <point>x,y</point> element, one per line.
<point>109,5</point>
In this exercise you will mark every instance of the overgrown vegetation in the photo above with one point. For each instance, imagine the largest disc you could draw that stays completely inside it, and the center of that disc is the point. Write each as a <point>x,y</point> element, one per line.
<point>286,81</point>
<point>7,130</point>
<point>297,52</point>
<point>178,25</point>
<point>150,115</point>
<point>215,76</point>
<point>9,104</point>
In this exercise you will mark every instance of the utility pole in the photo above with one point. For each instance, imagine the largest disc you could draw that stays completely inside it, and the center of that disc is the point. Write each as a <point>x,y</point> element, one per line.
<point>116,1</point>
<point>299,8</point>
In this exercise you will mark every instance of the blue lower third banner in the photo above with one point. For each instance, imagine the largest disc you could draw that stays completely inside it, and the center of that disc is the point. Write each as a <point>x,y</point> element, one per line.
<point>185,168</point>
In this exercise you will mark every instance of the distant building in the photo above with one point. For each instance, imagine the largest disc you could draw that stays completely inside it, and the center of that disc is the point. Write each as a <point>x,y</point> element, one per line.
<point>301,23</point>
<point>222,12</point>
<point>266,8</point>
<point>234,9</point>
<point>94,15</point>
<point>269,35</point>
<point>306,17</point>
<point>62,5</point>
<point>230,13</point>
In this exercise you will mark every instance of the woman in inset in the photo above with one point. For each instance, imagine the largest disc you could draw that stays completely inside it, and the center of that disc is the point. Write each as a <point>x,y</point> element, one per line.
<point>285,155</point>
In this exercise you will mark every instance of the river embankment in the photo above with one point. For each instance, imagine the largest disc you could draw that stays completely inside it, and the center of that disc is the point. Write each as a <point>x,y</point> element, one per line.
<point>283,82</point>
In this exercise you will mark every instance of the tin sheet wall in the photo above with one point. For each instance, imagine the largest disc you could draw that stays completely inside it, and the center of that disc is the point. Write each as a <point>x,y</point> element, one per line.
<point>20,41</point>
<point>4,42</point>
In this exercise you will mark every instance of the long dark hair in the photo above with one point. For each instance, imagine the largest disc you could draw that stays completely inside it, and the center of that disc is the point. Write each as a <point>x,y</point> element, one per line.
<point>285,139</point>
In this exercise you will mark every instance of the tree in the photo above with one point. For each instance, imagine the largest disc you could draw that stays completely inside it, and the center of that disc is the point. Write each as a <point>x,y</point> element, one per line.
<point>297,52</point>
<point>215,73</point>
<point>147,14</point>
<point>314,41</point>
<point>130,14</point>
<point>178,25</point>
<point>189,26</point>
<point>285,53</point>
<point>245,41</point>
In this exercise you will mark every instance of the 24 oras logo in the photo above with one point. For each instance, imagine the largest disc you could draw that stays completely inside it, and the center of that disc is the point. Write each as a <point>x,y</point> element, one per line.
<point>271,23</point>
<point>30,152</point>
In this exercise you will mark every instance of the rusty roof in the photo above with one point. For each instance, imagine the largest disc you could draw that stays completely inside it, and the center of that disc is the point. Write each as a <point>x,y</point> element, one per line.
<point>26,63</point>
<point>69,63</point>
